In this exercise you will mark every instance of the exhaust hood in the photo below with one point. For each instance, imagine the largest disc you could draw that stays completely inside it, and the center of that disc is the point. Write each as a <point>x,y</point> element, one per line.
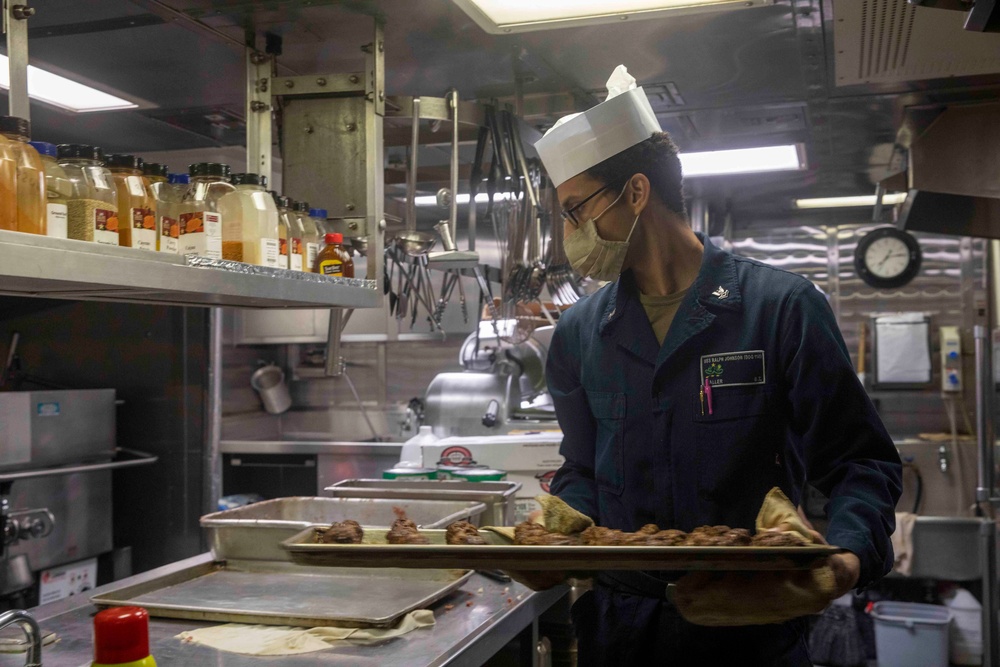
<point>954,170</point>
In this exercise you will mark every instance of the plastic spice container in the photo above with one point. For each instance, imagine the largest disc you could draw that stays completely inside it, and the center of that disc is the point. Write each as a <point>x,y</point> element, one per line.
<point>318,218</point>
<point>289,234</point>
<point>58,190</point>
<point>156,177</point>
<point>296,239</point>
<point>168,203</point>
<point>257,231</point>
<point>8,185</point>
<point>200,219</point>
<point>92,210</point>
<point>310,236</point>
<point>136,204</point>
<point>29,175</point>
<point>333,260</point>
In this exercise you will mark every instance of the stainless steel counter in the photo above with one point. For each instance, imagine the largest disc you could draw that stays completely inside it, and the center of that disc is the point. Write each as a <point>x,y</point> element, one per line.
<point>463,635</point>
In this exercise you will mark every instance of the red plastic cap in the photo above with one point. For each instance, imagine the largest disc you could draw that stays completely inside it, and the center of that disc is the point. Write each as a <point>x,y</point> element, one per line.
<point>121,635</point>
<point>334,238</point>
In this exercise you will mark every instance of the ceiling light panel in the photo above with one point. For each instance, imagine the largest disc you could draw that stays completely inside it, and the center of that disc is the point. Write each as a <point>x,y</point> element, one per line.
<point>790,157</point>
<point>64,93</point>
<point>849,202</point>
<point>506,16</point>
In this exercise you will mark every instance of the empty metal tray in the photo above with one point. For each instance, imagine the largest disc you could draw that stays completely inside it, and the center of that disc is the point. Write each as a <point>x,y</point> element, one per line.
<point>255,532</point>
<point>273,593</point>
<point>498,496</point>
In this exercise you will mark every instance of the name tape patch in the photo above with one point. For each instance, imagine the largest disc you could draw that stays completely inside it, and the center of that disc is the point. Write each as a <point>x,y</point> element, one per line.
<point>733,369</point>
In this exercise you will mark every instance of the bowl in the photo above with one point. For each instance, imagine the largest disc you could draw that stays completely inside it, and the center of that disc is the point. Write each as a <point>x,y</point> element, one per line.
<point>360,245</point>
<point>415,244</point>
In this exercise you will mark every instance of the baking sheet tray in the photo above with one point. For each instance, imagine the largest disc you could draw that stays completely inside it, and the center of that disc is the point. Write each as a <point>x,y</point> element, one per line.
<point>500,554</point>
<point>254,532</point>
<point>275,593</point>
<point>498,496</point>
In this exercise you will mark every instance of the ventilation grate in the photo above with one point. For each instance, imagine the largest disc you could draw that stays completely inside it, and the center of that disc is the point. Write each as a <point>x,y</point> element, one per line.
<point>893,40</point>
<point>886,29</point>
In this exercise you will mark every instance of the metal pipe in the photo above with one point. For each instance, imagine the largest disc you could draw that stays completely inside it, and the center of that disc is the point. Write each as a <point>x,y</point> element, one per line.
<point>699,216</point>
<point>453,207</point>
<point>411,175</point>
<point>984,416</point>
<point>32,634</point>
<point>16,24</point>
<point>333,366</point>
<point>212,485</point>
<point>984,493</point>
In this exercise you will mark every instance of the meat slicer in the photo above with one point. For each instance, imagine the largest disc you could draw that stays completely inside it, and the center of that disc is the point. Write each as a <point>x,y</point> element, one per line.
<point>501,390</point>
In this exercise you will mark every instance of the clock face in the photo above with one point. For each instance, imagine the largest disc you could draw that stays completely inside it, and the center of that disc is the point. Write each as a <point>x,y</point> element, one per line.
<point>887,257</point>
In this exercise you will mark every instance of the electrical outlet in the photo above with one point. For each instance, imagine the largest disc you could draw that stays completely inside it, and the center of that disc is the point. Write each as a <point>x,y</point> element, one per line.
<point>951,360</point>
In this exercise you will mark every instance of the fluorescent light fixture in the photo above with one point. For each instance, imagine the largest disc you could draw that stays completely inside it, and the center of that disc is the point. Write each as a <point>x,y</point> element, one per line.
<point>64,93</point>
<point>506,16</point>
<point>847,202</point>
<point>743,161</point>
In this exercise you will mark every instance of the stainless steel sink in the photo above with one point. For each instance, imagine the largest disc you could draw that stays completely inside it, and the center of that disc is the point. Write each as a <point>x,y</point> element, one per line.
<point>946,547</point>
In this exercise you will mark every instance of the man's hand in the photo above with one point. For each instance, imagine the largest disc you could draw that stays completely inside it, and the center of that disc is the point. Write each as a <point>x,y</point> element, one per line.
<point>846,566</point>
<point>846,570</point>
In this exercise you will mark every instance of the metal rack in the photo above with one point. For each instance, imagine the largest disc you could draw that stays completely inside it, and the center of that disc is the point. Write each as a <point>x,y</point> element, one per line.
<point>39,266</point>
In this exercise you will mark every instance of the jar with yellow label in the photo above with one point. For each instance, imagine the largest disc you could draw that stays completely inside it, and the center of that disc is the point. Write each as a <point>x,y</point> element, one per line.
<point>333,260</point>
<point>136,204</point>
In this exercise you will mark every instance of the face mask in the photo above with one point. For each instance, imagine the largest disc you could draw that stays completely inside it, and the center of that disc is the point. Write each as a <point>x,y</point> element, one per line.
<point>593,256</point>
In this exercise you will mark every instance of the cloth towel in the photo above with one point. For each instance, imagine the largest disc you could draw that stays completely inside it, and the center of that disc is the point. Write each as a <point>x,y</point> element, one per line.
<point>758,598</point>
<point>284,640</point>
<point>902,543</point>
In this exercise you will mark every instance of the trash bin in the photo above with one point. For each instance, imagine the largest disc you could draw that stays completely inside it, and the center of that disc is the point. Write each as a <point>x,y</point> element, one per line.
<point>908,634</point>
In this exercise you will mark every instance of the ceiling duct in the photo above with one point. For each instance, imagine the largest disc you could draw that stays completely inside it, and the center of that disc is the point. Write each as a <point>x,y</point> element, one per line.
<point>891,41</point>
<point>954,173</point>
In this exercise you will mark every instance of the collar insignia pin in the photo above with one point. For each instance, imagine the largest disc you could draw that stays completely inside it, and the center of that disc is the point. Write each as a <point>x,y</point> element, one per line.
<point>721,293</point>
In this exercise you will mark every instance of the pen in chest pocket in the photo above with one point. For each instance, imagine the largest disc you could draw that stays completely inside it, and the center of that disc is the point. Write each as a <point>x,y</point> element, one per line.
<point>706,395</point>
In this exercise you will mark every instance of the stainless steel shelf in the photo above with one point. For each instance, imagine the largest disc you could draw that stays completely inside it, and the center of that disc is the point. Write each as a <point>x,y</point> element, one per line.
<point>39,266</point>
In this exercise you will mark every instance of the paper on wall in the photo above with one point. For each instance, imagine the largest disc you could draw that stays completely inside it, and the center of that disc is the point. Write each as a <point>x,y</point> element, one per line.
<point>902,349</point>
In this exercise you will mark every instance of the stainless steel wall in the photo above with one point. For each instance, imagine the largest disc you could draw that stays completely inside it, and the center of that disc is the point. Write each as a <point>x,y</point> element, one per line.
<point>950,288</point>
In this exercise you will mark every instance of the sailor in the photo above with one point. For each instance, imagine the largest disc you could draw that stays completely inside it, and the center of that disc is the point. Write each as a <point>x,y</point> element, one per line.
<point>690,385</point>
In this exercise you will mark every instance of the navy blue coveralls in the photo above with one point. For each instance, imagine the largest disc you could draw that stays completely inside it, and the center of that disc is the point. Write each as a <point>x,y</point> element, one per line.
<point>641,447</point>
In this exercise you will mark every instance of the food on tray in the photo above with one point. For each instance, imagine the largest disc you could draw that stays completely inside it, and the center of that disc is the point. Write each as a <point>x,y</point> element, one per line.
<point>463,532</point>
<point>536,534</point>
<point>780,539</point>
<point>404,531</point>
<point>348,531</point>
<point>718,536</point>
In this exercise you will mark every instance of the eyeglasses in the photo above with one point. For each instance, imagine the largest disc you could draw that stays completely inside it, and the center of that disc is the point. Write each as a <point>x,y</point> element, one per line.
<point>568,214</point>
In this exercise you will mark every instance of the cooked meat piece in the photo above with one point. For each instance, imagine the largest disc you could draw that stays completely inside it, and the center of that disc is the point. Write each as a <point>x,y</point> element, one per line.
<point>650,529</point>
<point>598,536</point>
<point>779,539</point>
<point>404,531</point>
<point>463,532</point>
<point>348,531</point>
<point>667,538</point>
<point>534,534</point>
<point>711,530</point>
<point>634,539</point>
<point>737,537</point>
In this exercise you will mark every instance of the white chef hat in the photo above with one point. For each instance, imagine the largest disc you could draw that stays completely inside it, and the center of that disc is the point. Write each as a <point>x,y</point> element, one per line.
<point>582,140</point>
